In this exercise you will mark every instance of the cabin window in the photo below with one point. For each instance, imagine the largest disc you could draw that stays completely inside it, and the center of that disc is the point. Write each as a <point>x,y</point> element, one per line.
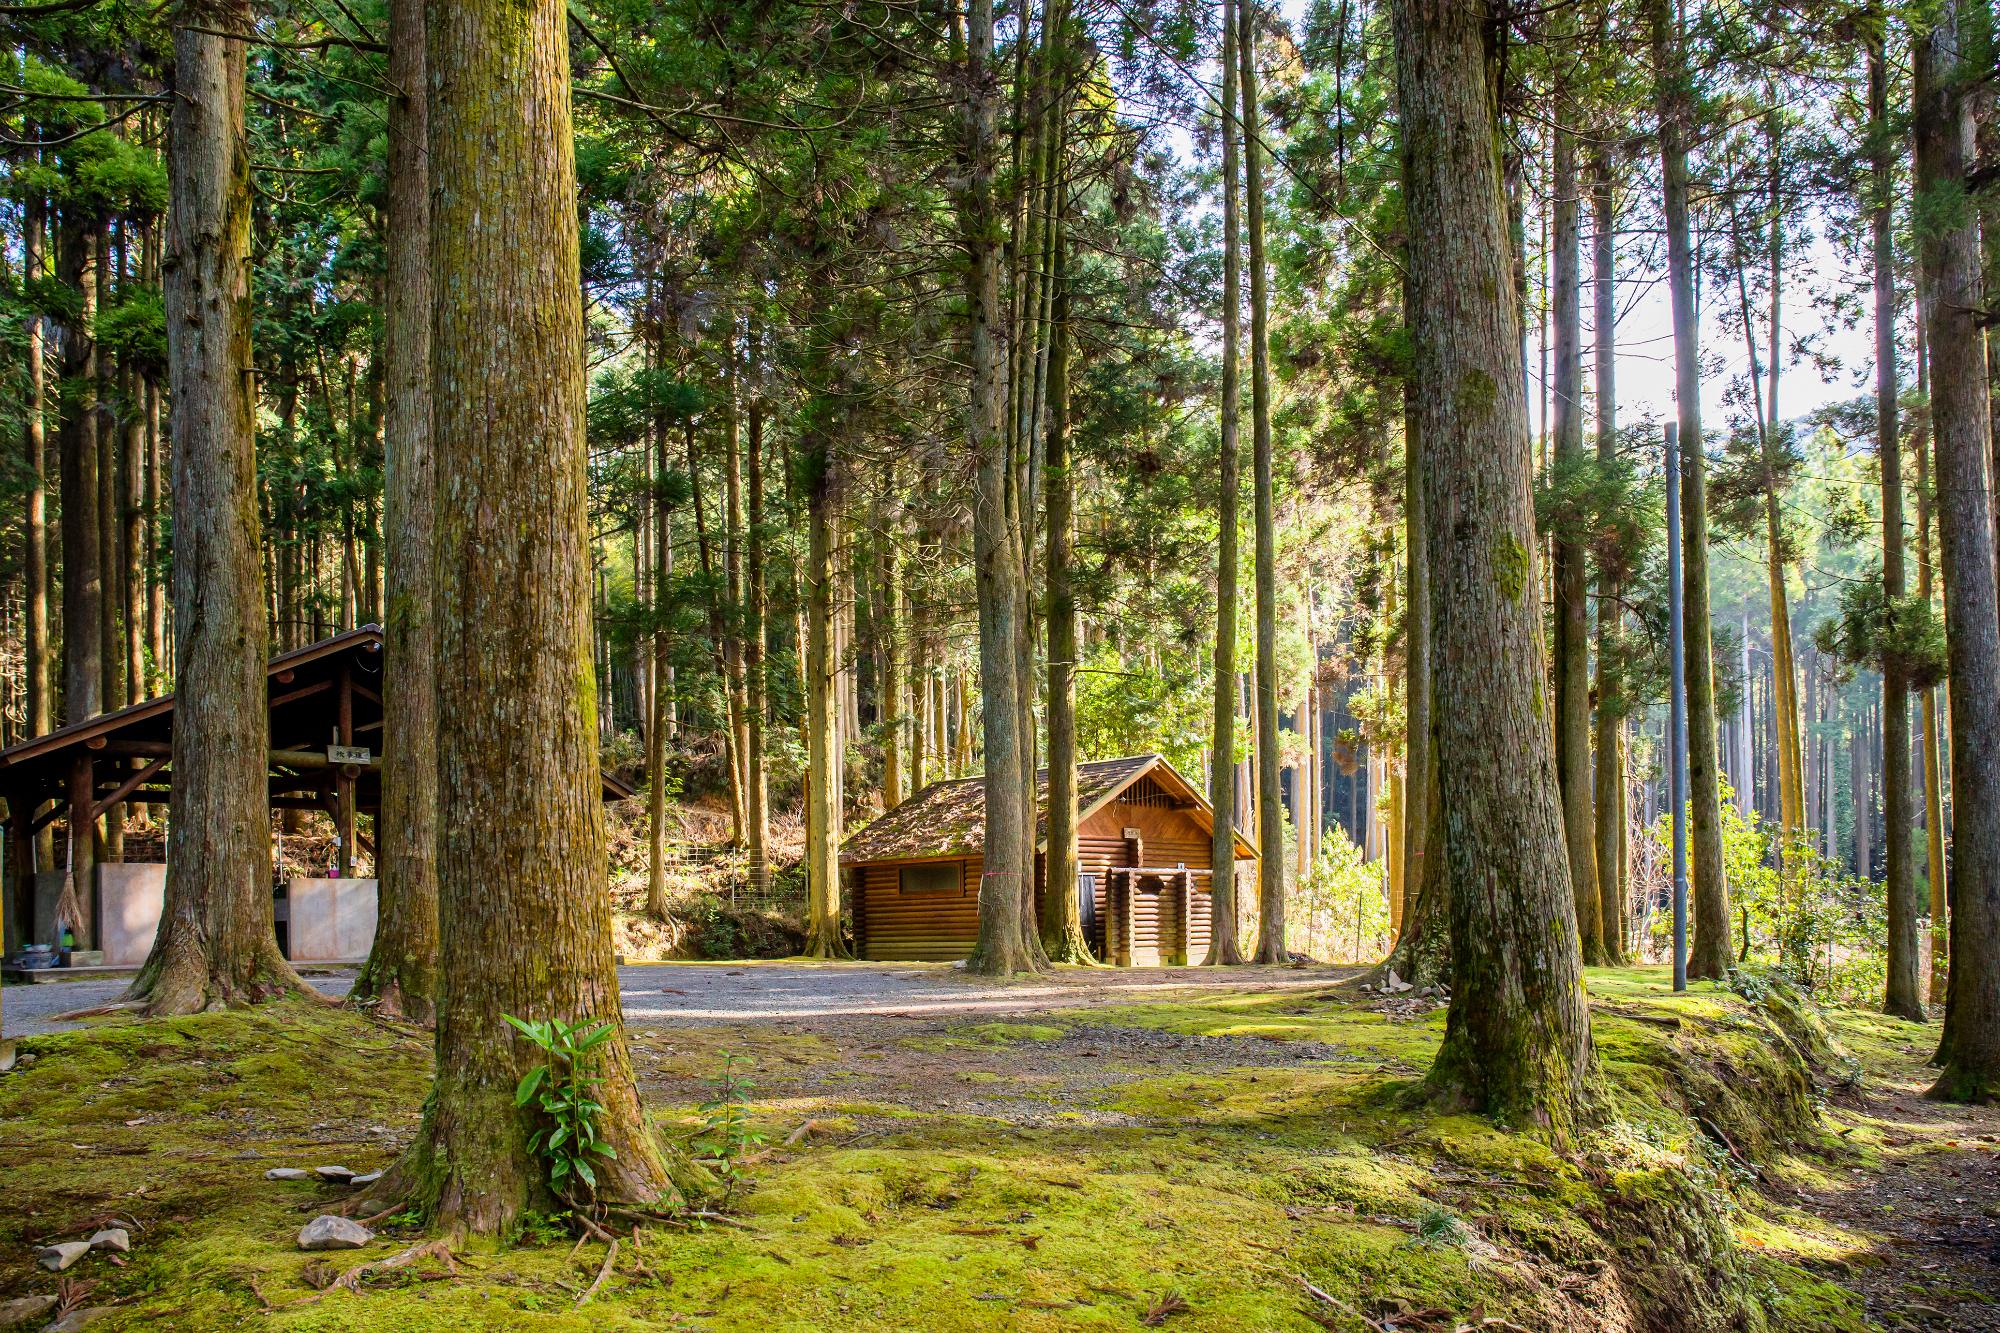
<point>935,877</point>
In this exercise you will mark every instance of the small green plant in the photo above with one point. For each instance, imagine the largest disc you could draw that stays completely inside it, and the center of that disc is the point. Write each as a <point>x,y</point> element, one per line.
<point>726,1136</point>
<point>563,1090</point>
<point>1441,1228</point>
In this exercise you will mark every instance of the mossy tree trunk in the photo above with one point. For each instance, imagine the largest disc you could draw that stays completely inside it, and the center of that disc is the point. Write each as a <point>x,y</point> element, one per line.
<point>1903,994</point>
<point>1005,945</point>
<point>525,918</point>
<point>401,972</point>
<point>1517,1041</point>
<point>216,943</point>
<point>1270,800</point>
<point>1709,953</point>
<point>1572,611</point>
<point>1611,704</point>
<point>1970,1049</point>
<point>1224,948</point>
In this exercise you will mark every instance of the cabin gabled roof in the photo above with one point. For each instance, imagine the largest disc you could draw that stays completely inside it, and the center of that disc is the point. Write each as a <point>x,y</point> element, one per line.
<point>948,819</point>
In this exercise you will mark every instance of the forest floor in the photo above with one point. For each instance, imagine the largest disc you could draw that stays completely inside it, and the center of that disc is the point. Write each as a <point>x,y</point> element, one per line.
<point>1099,1156</point>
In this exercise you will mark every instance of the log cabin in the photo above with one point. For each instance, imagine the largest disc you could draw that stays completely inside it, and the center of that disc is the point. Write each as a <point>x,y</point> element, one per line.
<point>1143,835</point>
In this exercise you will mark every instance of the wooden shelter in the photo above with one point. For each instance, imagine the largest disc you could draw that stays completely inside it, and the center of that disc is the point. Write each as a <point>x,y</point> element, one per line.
<point>326,739</point>
<point>1143,862</point>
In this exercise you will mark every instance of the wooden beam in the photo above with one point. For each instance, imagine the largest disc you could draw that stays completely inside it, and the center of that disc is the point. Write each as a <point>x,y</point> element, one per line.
<point>315,759</point>
<point>303,692</point>
<point>128,786</point>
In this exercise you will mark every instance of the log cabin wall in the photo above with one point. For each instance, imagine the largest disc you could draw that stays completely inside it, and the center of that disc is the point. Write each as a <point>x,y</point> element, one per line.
<point>920,925</point>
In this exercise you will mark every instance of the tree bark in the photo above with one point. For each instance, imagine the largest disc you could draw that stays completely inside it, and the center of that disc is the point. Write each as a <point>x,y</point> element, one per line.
<point>1904,992</point>
<point>822,747</point>
<point>1709,953</point>
<point>755,612</point>
<point>34,448</point>
<point>76,440</point>
<point>1969,1051</point>
<point>1517,1041</point>
<point>1928,740</point>
<point>525,919</point>
<point>1271,807</point>
<point>1572,610</point>
<point>1611,704</point>
<point>401,973</point>
<point>1062,919</point>
<point>1224,948</point>
<point>1005,886</point>
<point>217,943</point>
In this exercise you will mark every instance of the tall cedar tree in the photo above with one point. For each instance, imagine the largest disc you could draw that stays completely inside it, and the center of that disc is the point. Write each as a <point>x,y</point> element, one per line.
<point>1270,800</point>
<point>1709,955</point>
<point>401,972</point>
<point>525,922</point>
<point>1610,768</point>
<point>1903,994</point>
<point>1007,940</point>
<point>1517,1038</point>
<point>1949,245</point>
<point>1224,948</point>
<point>217,942</point>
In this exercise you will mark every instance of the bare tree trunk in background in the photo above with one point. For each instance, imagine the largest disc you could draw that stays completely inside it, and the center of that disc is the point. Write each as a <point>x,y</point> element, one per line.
<point>1572,612</point>
<point>35,527</point>
<point>822,746</point>
<point>1904,993</point>
<point>1419,773</point>
<point>1224,949</point>
<point>1271,807</point>
<point>758,833</point>
<point>1005,886</point>
<point>1611,703</point>
<point>1969,1052</point>
<point>1709,954</point>
<point>893,633</point>
<point>1928,739</point>
<point>732,569</point>
<point>217,943</point>
<point>401,972</point>
<point>1517,1040</point>
<point>76,440</point>
<point>1062,918</point>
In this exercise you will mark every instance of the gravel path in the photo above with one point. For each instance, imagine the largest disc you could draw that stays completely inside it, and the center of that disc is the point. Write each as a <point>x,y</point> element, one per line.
<point>670,993</point>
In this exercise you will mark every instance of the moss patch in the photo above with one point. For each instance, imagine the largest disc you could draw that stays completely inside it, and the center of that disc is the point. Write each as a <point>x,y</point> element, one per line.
<point>1238,1144</point>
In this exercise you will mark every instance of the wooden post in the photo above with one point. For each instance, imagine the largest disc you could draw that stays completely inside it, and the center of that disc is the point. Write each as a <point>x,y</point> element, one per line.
<point>83,843</point>
<point>343,783</point>
<point>19,908</point>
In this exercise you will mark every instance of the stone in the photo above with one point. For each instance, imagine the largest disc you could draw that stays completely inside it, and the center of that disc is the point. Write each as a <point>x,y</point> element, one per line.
<point>57,1257</point>
<point>367,1177</point>
<point>328,1232</point>
<point>339,1175</point>
<point>23,1308</point>
<point>1394,984</point>
<point>77,1319</point>
<point>288,1173</point>
<point>112,1238</point>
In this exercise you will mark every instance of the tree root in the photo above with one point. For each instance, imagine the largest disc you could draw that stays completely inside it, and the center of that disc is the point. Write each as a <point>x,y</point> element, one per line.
<point>610,1257</point>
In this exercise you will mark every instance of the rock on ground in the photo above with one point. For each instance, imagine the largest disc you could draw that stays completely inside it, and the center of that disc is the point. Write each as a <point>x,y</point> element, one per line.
<point>287,1173</point>
<point>23,1308</point>
<point>328,1232</point>
<point>112,1238</point>
<point>57,1257</point>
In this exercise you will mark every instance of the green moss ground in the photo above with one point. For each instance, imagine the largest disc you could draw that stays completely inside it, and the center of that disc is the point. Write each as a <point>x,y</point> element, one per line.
<point>1074,1171</point>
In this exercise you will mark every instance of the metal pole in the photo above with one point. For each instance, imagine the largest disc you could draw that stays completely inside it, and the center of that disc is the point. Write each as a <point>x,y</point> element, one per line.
<point>1677,707</point>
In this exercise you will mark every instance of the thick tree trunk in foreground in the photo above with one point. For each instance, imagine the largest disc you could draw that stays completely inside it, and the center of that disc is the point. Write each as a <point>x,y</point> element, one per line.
<point>1270,801</point>
<point>1517,1042</point>
<point>1611,705</point>
<point>1572,614</point>
<point>1927,740</point>
<point>216,943</point>
<point>1419,745</point>
<point>526,922</point>
<point>1005,886</point>
<point>401,972</point>
<point>1970,1049</point>
<point>1709,953</point>
<point>1904,995</point>
<point>1224,949</point>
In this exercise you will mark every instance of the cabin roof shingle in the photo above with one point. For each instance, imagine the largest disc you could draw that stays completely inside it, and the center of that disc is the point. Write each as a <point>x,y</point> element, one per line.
<point>948,819</point>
